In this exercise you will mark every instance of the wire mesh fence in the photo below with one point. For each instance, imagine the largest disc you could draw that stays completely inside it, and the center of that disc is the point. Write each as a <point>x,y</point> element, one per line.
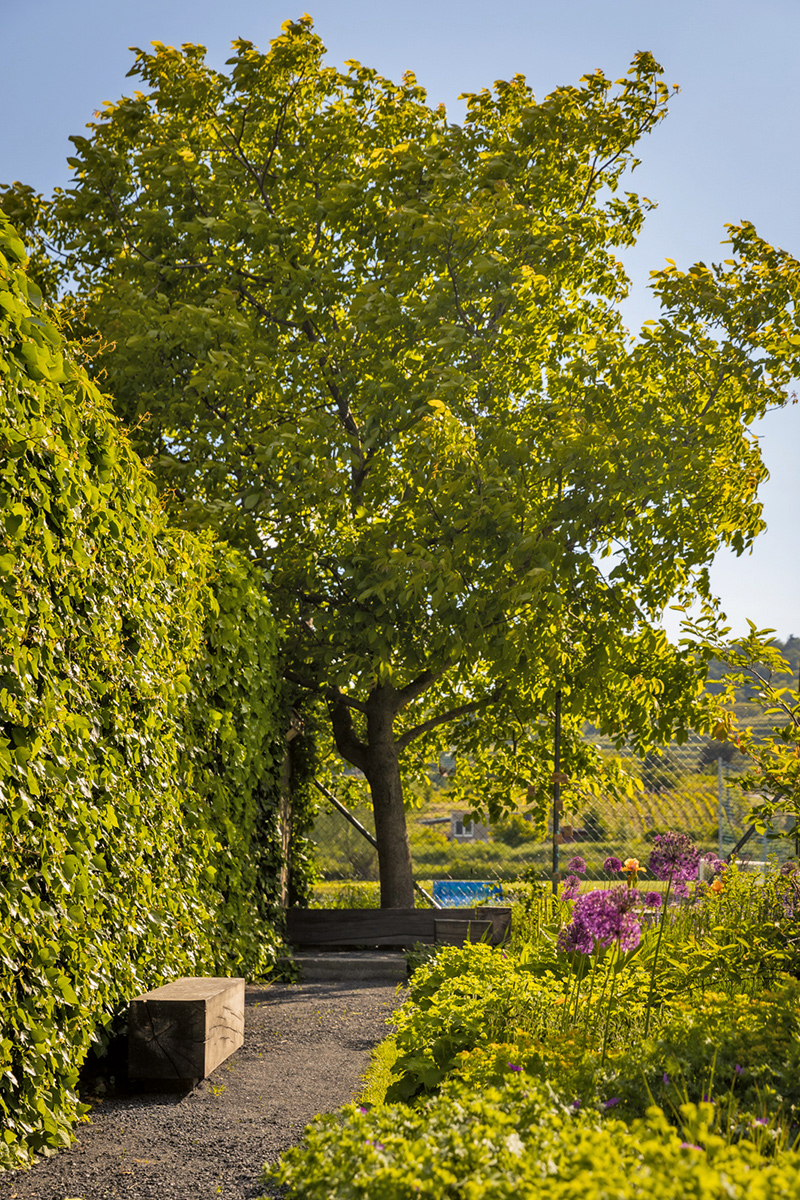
<point>691,788</point>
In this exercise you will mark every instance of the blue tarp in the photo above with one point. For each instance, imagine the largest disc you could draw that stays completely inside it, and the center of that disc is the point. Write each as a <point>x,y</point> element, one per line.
<point>465,893</point>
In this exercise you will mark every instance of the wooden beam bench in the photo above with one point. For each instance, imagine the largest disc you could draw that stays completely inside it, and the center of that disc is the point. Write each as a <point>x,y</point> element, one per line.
<point>346,928</point>
<point>181,1032</point>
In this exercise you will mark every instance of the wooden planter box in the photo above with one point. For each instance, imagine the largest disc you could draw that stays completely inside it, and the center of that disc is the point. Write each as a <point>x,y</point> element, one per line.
<point>331,928</point>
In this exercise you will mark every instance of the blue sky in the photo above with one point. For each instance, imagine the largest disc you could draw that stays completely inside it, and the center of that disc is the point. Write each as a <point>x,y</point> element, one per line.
<point>727,152</point>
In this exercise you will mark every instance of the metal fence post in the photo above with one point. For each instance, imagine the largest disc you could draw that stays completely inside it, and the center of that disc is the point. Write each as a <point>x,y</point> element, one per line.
<point>556,788</point>
<point>720,807</point>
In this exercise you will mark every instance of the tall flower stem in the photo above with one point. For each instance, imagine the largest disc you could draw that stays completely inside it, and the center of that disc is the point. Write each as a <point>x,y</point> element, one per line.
<point>616,969</point>
<point>574,984</point>
<point>664,908</point>
<point>578,993</point>
<point>595,957</point>
<point>571,1011</point>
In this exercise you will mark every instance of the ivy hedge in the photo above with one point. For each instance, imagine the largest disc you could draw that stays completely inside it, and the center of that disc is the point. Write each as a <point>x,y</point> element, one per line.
<point>142,734</point>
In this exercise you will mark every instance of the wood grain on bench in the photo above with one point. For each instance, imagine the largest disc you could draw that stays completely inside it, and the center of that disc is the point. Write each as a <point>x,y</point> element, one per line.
<point>185,1029</point>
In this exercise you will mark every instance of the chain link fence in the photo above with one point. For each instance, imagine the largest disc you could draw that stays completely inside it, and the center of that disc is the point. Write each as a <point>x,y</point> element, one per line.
<point>691,788</point>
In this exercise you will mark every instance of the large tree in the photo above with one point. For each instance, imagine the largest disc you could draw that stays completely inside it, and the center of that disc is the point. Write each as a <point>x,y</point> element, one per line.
<point>385,352</point>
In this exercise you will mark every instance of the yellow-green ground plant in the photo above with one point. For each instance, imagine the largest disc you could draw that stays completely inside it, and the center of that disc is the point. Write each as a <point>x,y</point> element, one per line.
<point>523,1138</point>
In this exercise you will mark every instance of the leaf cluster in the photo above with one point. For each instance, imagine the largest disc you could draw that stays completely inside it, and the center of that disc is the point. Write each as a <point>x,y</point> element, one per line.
<point>756,668</point>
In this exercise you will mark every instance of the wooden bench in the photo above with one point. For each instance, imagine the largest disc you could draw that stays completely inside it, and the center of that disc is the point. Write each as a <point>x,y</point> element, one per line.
<point>404,927</point>
<point>181,1032</point>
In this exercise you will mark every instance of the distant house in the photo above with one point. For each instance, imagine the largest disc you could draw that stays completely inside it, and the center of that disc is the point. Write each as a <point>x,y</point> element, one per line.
<point>466,831</point>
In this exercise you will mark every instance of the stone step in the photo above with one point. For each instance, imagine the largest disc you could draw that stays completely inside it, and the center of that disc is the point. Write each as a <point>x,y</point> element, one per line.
<point>337,966</point>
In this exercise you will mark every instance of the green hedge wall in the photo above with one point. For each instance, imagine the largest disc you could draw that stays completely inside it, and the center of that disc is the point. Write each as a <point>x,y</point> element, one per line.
<point>141,733</point>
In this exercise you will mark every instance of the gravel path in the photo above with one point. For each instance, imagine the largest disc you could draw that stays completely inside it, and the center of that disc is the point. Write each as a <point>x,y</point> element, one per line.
<point>306,1048</point>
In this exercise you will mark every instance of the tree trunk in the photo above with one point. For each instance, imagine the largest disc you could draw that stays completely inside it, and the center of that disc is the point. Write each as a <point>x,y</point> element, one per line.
<point>379,758</point>
<point>382,769</point>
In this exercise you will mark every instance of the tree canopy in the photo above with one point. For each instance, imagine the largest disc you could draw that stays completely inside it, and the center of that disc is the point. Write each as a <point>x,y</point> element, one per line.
<point>385,353</point>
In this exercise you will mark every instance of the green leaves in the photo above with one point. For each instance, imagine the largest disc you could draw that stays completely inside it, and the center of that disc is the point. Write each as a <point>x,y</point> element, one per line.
<point>139,836</point>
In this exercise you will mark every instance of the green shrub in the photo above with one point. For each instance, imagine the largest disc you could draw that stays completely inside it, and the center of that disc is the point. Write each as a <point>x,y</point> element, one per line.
<point>141,738</point>
<point>742,1052</point>
<point>360,894</point>
<point>523,1140</point>
<point>466,996</point>
<point>742,939</point>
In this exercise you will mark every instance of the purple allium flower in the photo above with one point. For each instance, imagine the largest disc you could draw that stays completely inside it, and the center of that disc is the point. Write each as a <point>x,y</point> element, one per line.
<point>573,938</point>
<point>577,864</point>
<point>607,917</point>
<point>653,899</point>
<point>680,891</point>
<point>611,1103</point>
<point>674,856</point>
<point>576,1105</point>
<point>571,887</point>
<point>714,861</point>
<point>612,864</point>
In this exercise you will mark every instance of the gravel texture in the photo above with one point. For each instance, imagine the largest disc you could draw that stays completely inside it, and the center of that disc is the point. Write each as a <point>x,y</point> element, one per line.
<point>306,1049</point>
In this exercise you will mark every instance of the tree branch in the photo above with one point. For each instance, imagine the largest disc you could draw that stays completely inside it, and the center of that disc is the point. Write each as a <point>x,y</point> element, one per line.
<point>351,748</point>
<point>420,684</point>
<point>407,738</point>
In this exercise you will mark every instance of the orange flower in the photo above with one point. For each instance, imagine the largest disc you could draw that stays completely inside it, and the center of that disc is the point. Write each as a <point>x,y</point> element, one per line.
<point>717,886</point>
<point>631,865</point>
